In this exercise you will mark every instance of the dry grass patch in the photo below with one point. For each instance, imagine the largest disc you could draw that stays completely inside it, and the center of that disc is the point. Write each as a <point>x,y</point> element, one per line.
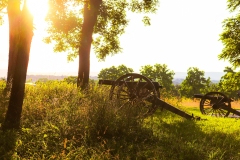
<point>195,103</point>
<point>190,102</point>
<point>236,104</point>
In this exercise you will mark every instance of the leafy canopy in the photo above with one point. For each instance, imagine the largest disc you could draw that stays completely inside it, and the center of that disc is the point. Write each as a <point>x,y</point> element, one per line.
<point>70,79</point>
<point>3,11</point>
<point>230,36</point>
<point>230,82</point>
<point>231,41</point>
<point>65,19</point>
<point>163,75</point>
<point>233,4</point>
<point>159,73</point>
<point>194,83</point>
<point>113,73</point>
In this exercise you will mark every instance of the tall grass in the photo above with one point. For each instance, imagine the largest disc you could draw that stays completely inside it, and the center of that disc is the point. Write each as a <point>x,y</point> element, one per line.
<point>61,122</point>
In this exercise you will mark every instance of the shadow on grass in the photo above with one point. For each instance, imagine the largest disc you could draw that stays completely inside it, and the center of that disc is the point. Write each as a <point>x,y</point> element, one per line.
<point>186,140</point>
<point>8,141</point>
<point>7,138</point>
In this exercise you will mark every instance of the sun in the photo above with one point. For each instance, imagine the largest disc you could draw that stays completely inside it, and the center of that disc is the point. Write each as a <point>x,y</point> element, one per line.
<point>38,8</point>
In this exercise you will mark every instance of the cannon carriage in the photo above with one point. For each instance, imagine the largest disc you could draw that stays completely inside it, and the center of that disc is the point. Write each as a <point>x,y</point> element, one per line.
<point>216,104</point>
<point>136,90</point>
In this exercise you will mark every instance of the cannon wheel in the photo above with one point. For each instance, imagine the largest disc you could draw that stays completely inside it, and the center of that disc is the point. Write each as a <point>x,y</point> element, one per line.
<point>135,90</point>
<point>212,102</point>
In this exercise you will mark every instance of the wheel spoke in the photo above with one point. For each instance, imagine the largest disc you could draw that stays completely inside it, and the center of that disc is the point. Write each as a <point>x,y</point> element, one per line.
<point>207,105</point>
<point>214,112</point>
<point>148,94</point>
<point>124,104</point>
<point>220,101</point>
<point>207,102</point>
<point>135,90</point>
<point>144,86</point>
<point>125,91</point>
<point>211,104</point>
<point>222,111</point>
<point>208,110</point>
<point>140,80</point>
<point>126,84</point>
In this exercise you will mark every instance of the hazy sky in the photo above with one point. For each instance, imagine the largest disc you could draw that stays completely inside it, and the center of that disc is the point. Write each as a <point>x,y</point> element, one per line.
<point>183,34</point>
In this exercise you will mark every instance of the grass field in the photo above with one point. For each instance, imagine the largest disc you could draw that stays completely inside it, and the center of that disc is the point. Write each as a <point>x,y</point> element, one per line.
<point>61,122</point>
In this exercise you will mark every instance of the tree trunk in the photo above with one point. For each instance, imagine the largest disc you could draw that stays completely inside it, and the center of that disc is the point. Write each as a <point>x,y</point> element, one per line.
<point>91,11</point>
<point>13,18</point>
<point>24,36</point>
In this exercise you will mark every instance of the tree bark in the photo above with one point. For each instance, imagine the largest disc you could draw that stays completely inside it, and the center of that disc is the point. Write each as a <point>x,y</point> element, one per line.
<point>24,39</point>
<point>13,18</point>
<point>91,11</point>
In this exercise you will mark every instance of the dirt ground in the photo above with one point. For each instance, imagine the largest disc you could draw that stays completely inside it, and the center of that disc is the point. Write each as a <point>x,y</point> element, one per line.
<point>195,103</point>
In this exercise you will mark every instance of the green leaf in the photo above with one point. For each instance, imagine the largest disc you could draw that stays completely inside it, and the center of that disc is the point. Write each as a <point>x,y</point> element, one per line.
<point>146,20</point>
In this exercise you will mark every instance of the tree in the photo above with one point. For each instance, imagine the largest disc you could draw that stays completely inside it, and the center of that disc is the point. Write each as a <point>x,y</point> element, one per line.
<point>13,11</point>
<point>230,82</point>
<point>233,4</point>
<point>77,25</point>
<point>194,83</point>
<point>42,80</point>
<point>21,33</point>
<point>71,79</point>
<point>230,36</point>
<point>112,73</point>
<point>161,74</point>
<point>3,5</point>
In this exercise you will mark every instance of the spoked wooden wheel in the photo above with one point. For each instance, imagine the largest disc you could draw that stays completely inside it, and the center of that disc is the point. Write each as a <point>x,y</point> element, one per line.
<point>137,92</point>
<point>215,104</point>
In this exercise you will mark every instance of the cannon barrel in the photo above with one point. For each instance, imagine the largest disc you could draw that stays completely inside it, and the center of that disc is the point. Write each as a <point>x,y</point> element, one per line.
<point>225,99</point>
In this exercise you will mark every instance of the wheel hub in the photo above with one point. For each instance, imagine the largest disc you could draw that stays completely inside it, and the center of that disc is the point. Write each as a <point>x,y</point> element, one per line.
<point>216,106</point>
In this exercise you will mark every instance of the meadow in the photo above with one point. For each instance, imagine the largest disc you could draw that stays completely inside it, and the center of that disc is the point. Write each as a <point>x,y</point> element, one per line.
<point>61,122</point>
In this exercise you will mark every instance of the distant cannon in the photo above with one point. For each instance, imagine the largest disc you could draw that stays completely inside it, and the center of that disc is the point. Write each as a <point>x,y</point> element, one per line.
<point>216,104</point>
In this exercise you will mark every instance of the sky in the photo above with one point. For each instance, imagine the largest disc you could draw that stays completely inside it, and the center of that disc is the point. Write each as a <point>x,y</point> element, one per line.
<point>183,34</point>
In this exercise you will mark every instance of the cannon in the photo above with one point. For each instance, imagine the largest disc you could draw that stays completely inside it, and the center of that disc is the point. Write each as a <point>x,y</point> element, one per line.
<point>134,89</point>
<point>216,104</point>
